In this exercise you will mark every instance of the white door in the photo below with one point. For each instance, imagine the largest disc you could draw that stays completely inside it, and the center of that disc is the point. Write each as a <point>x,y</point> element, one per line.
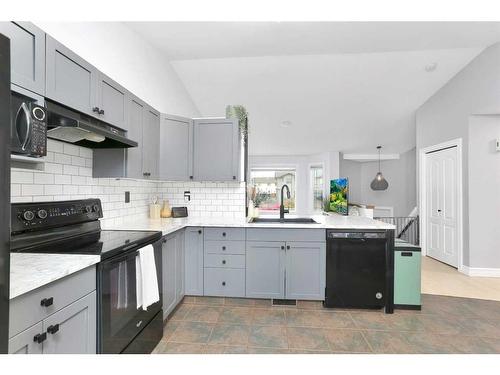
<point>442,205</point>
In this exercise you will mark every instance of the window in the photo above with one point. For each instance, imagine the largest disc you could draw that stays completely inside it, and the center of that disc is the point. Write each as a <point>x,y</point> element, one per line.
<point>266,188</point>
<point>317,187</point>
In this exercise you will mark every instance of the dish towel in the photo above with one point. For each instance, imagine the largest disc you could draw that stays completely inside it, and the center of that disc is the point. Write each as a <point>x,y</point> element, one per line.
<point>147,290</point>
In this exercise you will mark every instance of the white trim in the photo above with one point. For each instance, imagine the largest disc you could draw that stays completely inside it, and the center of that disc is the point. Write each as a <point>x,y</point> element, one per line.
<point>369,157</point>
<point>310,203</point>
<point>481,272</point>
<point>422,208</point>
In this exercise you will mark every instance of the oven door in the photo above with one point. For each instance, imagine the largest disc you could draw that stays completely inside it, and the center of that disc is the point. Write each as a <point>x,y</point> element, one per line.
<point>120,321</point>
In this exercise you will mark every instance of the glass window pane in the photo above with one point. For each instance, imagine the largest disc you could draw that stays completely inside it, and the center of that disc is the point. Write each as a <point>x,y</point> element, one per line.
<point>317,187</point>
<point>266,188</point>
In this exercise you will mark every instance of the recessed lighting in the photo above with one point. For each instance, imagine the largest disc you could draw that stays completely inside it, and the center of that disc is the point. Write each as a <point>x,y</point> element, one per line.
<point>286,124</point>
<point>431,67</point>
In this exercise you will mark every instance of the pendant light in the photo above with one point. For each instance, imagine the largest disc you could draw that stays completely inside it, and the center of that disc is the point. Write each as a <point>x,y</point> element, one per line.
<point>379,182</point>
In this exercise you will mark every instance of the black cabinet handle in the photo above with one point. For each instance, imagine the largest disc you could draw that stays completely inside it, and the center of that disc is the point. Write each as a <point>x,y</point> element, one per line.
<point>223,248</point>
<point>223,262</point>
<point>199,231</point>
<point>47,302</point>
<point>40,337</point>
<point>406,254</point>
<point>95,110</point>
<point>53,329</point>
<point>223,283</point>
<point>439,210</point>
<point>101,111</point>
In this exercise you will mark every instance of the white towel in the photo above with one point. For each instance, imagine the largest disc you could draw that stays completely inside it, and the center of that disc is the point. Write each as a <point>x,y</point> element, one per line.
<point>147,290</point>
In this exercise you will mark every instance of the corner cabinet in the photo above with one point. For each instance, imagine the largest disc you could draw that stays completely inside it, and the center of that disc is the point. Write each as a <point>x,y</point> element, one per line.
<point>70,80</point>
<point>216,152</point>
<point>151,144</point>
<point>27,55</point>
<point>176,151</point>
<point>58,318</point>
<point>173,271</point>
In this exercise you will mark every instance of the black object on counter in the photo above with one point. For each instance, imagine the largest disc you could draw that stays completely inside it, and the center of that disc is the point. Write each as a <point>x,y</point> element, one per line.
<point>179,212</point>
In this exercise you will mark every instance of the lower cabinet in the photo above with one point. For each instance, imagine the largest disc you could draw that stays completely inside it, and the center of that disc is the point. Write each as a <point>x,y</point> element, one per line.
<point>225,282</point>
<point>193,268</point>
<point>71,330</point>
<point>173,271</point>
<point>290,270</point>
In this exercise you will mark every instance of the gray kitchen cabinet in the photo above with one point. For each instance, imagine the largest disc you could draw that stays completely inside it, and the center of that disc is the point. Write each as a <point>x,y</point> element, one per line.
<point>169,277</point>
<point>27,55</point>
<point>216,152</point>
<point>112,102</point>
<point>265,269</point>
<point>25,342</point>
<point>305,270</point>
<point>70,80</point>
<point>176,141</point>
<point>72,330</point>
<point>173,271</point>
<point>193,265</point>
<point>151,144</point>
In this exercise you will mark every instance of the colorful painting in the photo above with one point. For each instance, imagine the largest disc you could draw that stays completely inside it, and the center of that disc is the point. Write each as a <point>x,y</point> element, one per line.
<point>339,189</point>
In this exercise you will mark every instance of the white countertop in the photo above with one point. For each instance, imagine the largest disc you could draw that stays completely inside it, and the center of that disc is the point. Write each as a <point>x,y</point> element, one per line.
<point>31,271</point>
<point>167,226</point>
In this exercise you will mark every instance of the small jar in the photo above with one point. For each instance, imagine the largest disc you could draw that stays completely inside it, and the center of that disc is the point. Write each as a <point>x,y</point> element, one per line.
<point>166,210</point>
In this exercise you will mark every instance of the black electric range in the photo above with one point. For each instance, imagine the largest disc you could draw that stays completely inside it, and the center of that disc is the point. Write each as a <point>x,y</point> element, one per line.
<point>73,227</point>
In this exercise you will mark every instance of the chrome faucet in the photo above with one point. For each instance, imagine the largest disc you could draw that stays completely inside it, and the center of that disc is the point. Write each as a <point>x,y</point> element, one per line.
<point>282,206</point>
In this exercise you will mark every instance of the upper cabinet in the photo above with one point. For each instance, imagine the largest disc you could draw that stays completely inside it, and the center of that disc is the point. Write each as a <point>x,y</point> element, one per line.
<point>70,80</point>
<point>176,148</point>
<point>112,102</point>
<point>216,153</point>
<point>151,144</point>
<point>27,55</point>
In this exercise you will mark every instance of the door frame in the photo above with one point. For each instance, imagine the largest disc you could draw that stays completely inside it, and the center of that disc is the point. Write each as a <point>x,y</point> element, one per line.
<point>422,207</point>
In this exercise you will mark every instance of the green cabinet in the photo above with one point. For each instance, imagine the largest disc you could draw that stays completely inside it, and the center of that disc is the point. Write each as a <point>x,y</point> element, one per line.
<point>407,276</point>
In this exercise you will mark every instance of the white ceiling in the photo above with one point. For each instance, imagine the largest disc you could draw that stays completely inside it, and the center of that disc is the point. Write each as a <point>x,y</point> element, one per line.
<point>343,86</point>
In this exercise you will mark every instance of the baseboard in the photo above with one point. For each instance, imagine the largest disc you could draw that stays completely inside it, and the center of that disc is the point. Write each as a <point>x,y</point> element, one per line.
<point>481,272</point>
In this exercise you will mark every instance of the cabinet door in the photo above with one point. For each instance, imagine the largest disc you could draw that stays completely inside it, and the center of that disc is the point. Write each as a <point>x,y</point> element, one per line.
<point>193,265</point>
<point>73,328</point>
<point>27,55</point>
<point>179,269</point>
<point>24,342</point>
<point>176,141</point>
<point>216,150</point>
<point>151,144</point>
<point>265,270</point>
<point>112,99</point>
<point>70,80</point>
<point>305,270</point>
<point>135,127</point>
<point>169,269</point>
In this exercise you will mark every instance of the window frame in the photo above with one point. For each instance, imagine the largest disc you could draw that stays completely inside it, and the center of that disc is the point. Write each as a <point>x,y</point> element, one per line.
<point>311,186</point>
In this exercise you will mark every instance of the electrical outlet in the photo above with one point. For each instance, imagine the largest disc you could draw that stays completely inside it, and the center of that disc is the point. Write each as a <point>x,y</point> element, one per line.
<point>187,196</point>
<point>127,197</point>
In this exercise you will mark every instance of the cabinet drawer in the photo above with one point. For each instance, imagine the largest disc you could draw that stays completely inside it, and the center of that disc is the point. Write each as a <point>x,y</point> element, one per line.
<point>225,247</point>
<point>226,282</point>
<point>225,234</point>
<point>27,309</point>
<point>225,261</point>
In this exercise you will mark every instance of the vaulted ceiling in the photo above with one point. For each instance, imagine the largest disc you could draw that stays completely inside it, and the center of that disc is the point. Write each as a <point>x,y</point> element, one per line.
<point>314,87</point>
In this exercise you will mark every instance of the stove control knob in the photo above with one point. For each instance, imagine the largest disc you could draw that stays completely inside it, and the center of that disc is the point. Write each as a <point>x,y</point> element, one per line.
<point>95,207</point>
<point>42,214</point>
<point>28,215</point>
<point>88,209</point>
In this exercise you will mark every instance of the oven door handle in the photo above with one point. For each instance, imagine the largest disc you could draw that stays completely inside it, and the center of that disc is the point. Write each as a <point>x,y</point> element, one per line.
<point>109,262</point>
<point>27,116</point>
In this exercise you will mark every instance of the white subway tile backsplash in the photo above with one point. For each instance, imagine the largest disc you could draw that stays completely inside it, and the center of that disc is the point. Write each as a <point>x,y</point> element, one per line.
<point>68,175</point>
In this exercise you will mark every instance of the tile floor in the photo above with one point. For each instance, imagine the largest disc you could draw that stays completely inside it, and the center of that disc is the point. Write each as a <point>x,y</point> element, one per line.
<point>232,325</point>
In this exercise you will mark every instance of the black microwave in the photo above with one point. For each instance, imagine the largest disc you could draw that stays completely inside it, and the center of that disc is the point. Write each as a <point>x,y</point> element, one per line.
<point>28,131</point>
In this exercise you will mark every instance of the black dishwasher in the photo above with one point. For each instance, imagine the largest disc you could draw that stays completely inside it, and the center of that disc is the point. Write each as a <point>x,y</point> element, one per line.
<point>359,269</point>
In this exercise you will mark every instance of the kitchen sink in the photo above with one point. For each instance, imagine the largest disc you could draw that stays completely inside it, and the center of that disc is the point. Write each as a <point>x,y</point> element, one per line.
<point>287,220</point>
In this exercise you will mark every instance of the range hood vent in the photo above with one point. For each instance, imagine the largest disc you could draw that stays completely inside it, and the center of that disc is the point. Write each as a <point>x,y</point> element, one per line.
<point>68,125</point>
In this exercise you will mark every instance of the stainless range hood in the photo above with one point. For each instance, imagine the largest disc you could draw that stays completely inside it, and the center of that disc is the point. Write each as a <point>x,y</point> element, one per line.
<point>70,126</point>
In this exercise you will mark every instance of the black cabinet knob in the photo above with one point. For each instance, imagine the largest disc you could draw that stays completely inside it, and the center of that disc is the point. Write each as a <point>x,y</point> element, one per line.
<point>234,177</point>
<point>53,329</point>
<point>223,234</point>
<point>190,177</point>
<point>223,283</point>
<point>164,241</point>
<point>223,248</point>
<point>282,247</point>
<point>40,337</point>
<point>223,262</point>
<point>199,231</point>
<point>47,302</point>
<point>101,111</point>
<point>95,110</point>
<point>288,247</point>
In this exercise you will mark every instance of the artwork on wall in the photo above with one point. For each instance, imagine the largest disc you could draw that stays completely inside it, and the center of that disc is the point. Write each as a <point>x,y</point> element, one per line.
<point>339,193</point>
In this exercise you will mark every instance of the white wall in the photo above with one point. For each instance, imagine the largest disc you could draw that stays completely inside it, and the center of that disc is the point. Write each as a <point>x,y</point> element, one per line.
<point>400,173</point>
<point>302,163</point>
<point>474,90</point>
<point>127,58</point>
<point>484,192</point>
